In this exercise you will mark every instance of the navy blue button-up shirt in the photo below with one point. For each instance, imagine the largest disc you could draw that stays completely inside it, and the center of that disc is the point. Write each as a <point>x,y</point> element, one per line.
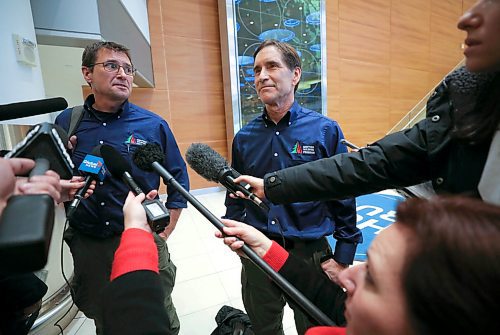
<point>101,214</point>
<point>301,136</point>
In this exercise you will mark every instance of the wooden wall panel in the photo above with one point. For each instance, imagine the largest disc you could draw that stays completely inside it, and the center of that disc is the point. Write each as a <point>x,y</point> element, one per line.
<point>390,53</point>
<point>373,13</point>
<point>191,19</point>
<point>364,43</point>
<point>193,65</point>
<point>363,80</point>
<point>188,89</point>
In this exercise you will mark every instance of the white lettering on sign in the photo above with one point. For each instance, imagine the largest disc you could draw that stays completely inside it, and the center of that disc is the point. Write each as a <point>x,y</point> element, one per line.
<point>373,217</point>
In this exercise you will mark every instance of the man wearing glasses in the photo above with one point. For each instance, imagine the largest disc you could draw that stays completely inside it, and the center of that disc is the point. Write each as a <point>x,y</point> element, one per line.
<point>96,226</point>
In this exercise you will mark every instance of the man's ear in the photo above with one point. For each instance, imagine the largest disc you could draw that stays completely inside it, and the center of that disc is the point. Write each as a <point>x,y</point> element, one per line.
<point>87,75</point>
<point>297,73</point>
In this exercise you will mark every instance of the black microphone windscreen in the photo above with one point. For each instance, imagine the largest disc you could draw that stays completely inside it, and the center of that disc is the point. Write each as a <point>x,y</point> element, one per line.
<point>205,161</point>
<point>31,108</point>
<point>146,154</point>
<point>116,164</point>
<point>96,151</point>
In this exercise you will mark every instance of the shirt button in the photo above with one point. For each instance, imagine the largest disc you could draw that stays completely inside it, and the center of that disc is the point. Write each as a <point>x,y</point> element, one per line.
<point>102,203</point>
<point>272,179</point>
<point>101,183</point>
<point>104,124</point>
<point>101,142</point>
<point>273,222</point>
<point>435,118</point>
<point>118,117</point>
<point>107,223</point>
<point>277,133</point>
<point>439,180</point>
<point>275,154</point>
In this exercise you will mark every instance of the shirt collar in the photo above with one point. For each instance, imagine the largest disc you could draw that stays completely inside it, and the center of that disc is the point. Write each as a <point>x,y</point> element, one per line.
<point>289,117</point>
<point>90,100</point>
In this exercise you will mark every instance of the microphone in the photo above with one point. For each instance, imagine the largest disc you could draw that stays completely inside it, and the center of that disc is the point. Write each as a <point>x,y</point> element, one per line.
<point>46,144</point>
<point>148,156</point>
<point>213,167</point>
<point>32,108</point>
<point>157,214</point>
<point>92,166</point>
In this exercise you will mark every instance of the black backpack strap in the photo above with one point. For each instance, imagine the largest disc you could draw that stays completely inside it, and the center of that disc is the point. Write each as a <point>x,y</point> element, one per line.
<point>76,117</point>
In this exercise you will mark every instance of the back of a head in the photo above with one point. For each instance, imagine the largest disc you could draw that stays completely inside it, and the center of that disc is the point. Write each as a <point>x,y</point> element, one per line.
<point>452,269</point>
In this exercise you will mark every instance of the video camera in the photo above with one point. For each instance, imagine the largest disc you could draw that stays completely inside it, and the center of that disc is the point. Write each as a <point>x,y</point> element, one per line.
<point>26,222</point>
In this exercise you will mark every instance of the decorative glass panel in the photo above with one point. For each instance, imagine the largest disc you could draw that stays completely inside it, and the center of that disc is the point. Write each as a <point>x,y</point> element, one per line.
<point>300,23</point>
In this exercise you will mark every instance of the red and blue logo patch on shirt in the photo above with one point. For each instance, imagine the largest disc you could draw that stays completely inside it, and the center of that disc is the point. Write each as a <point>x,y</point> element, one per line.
<point>133,140</point>
<point>303,149</point>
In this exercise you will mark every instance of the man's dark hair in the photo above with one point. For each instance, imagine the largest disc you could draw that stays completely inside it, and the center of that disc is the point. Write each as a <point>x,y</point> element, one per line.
<point>288,54</point>
<point>89,56</point>
<point>452,267</point>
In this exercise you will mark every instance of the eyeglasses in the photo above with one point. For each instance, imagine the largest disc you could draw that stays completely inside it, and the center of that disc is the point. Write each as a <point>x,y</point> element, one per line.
<point>115,67</point>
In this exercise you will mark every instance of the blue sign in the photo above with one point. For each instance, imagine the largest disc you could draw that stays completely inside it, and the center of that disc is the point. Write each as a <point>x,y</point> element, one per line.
<point>375,212</point>
<point>93,165</point>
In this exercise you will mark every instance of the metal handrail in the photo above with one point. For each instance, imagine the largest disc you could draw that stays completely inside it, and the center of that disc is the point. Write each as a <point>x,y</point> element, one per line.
<point>418,112</point>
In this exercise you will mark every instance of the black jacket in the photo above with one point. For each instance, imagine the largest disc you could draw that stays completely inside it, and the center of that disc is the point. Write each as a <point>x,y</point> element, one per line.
<point>425,152</point>
<point>133,304</point>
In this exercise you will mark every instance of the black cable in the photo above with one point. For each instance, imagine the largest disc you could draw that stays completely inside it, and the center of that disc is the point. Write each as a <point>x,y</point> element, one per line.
<point>72,294</point>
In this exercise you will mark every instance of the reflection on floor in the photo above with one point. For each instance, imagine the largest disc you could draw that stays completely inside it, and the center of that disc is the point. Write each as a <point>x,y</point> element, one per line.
<point>208,274</point>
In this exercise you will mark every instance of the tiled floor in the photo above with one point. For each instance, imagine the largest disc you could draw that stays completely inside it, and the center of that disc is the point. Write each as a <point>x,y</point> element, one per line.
<point>208,274</point>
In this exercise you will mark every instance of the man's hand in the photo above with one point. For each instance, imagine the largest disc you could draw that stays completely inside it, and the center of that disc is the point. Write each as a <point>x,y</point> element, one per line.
<point>257,185</point>
<point>246,235</point>
<point>72,142</point>
<point>175,213</point>
<point>332,269</point>
<point>70,187</point>
<point>134,214</point>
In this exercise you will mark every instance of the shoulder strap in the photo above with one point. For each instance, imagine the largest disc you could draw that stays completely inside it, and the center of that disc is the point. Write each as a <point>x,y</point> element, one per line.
<point>76,117</point>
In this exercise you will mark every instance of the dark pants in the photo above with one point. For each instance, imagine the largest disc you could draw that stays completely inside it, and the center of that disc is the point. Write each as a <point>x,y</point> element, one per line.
<point>93,258</point>
<point>264,301</point>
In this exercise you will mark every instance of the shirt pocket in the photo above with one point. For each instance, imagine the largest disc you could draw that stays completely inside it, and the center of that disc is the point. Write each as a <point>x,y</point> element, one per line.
<point>298,159</point>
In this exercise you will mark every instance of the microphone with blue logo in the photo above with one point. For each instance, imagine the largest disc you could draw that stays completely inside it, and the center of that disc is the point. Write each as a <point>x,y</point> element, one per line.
<point>94,169</point>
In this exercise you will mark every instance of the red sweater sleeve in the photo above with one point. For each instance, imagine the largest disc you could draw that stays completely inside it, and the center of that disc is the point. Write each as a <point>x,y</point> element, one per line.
<point>276,256</point>
<point>326,331</point>
<point>137,251</point>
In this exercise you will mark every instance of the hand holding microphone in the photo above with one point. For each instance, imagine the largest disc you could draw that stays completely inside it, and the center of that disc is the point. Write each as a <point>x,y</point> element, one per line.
<point>149,157</point>
<point>157,215</point>
<point>134,213</point>
<point>256,185</point>
<point>46,144</point>
<point>94,169</point>
<point>27,220</point>
<point>213,167</point>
